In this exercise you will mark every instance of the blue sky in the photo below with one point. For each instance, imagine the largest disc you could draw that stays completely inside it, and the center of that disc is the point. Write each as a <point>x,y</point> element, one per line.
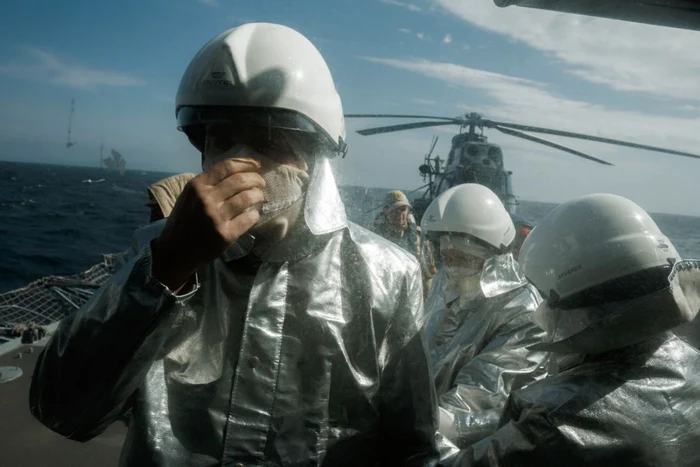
<point>123,61</point>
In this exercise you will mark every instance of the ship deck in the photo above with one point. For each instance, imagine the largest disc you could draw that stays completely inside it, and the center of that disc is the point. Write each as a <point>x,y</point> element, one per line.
<point>25,442</point>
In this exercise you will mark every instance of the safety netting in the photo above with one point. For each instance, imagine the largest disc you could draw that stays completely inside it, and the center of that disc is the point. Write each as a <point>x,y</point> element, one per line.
<point>51,298</point>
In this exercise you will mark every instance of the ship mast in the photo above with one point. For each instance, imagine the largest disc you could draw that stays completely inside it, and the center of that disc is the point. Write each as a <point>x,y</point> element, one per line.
<point>101,147</point>
<point>70,143</point>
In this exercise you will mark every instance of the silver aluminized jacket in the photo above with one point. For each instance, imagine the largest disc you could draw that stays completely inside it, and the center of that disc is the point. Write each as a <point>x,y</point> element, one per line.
<point>479,350</point>
<point>626,394</point>
<point>311,357</point>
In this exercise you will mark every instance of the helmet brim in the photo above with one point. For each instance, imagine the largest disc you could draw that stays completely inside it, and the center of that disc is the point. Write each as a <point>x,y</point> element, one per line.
<point>190,118</point>
<point>435,235</point>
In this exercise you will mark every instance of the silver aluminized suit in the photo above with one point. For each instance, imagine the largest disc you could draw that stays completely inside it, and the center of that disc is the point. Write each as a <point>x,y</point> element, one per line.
<point>626,394</point>
<point>311,357</point>
<point>478,350</point>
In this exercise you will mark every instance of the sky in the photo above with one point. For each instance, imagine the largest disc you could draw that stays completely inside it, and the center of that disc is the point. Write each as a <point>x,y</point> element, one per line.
<point>122,62</point>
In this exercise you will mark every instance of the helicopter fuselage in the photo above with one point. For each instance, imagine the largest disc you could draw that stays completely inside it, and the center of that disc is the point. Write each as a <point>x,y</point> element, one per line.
<point>472,159</point>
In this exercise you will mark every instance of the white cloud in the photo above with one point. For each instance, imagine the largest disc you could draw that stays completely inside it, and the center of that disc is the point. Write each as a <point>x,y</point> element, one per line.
<point>408,6</point>
<point>209,2</point>
<point>44,66</point>
<point>423,101</point>
<point>420,35</point>
<point>454,74</point>
<point>447,39</point>
<point>404,30</point>
<point>466,46</point>
<point>623,55</point>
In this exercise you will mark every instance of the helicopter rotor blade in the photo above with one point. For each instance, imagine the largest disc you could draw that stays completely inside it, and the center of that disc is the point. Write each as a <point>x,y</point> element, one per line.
<point>568,134</point>
<point>404,126</point>
<point>519,134</point>
<point>396,116</point>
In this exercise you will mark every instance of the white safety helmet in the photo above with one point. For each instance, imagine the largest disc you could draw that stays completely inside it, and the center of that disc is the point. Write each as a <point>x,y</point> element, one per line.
<point>594,242</point>
<point>471,210</point>
<point>265,74</point>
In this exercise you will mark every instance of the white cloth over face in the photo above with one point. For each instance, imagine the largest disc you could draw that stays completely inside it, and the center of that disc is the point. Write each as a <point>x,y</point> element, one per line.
<point>284,185</point>
<point>465,278</point>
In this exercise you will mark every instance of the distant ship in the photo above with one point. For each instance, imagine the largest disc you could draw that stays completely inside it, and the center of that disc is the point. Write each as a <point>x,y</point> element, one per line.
<point>115,162</point>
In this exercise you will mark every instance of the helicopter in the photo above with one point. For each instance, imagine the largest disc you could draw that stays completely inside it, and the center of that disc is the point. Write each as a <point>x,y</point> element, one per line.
<point>473,159</point>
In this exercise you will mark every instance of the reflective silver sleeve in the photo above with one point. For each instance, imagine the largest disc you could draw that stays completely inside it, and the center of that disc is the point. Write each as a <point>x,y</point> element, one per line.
<point>482,386</point>
<point>98,356</point>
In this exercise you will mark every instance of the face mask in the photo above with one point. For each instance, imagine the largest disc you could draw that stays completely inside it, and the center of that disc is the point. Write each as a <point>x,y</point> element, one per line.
<point>466,280</point>
<point>284,185</point>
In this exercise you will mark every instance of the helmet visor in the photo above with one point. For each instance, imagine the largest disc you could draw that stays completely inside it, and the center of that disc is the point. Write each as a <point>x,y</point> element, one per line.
<point>219,138</point>
<point>466,244</point>
<point>192,121</point>
<point>458,250</point>
<point>248,116</point>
